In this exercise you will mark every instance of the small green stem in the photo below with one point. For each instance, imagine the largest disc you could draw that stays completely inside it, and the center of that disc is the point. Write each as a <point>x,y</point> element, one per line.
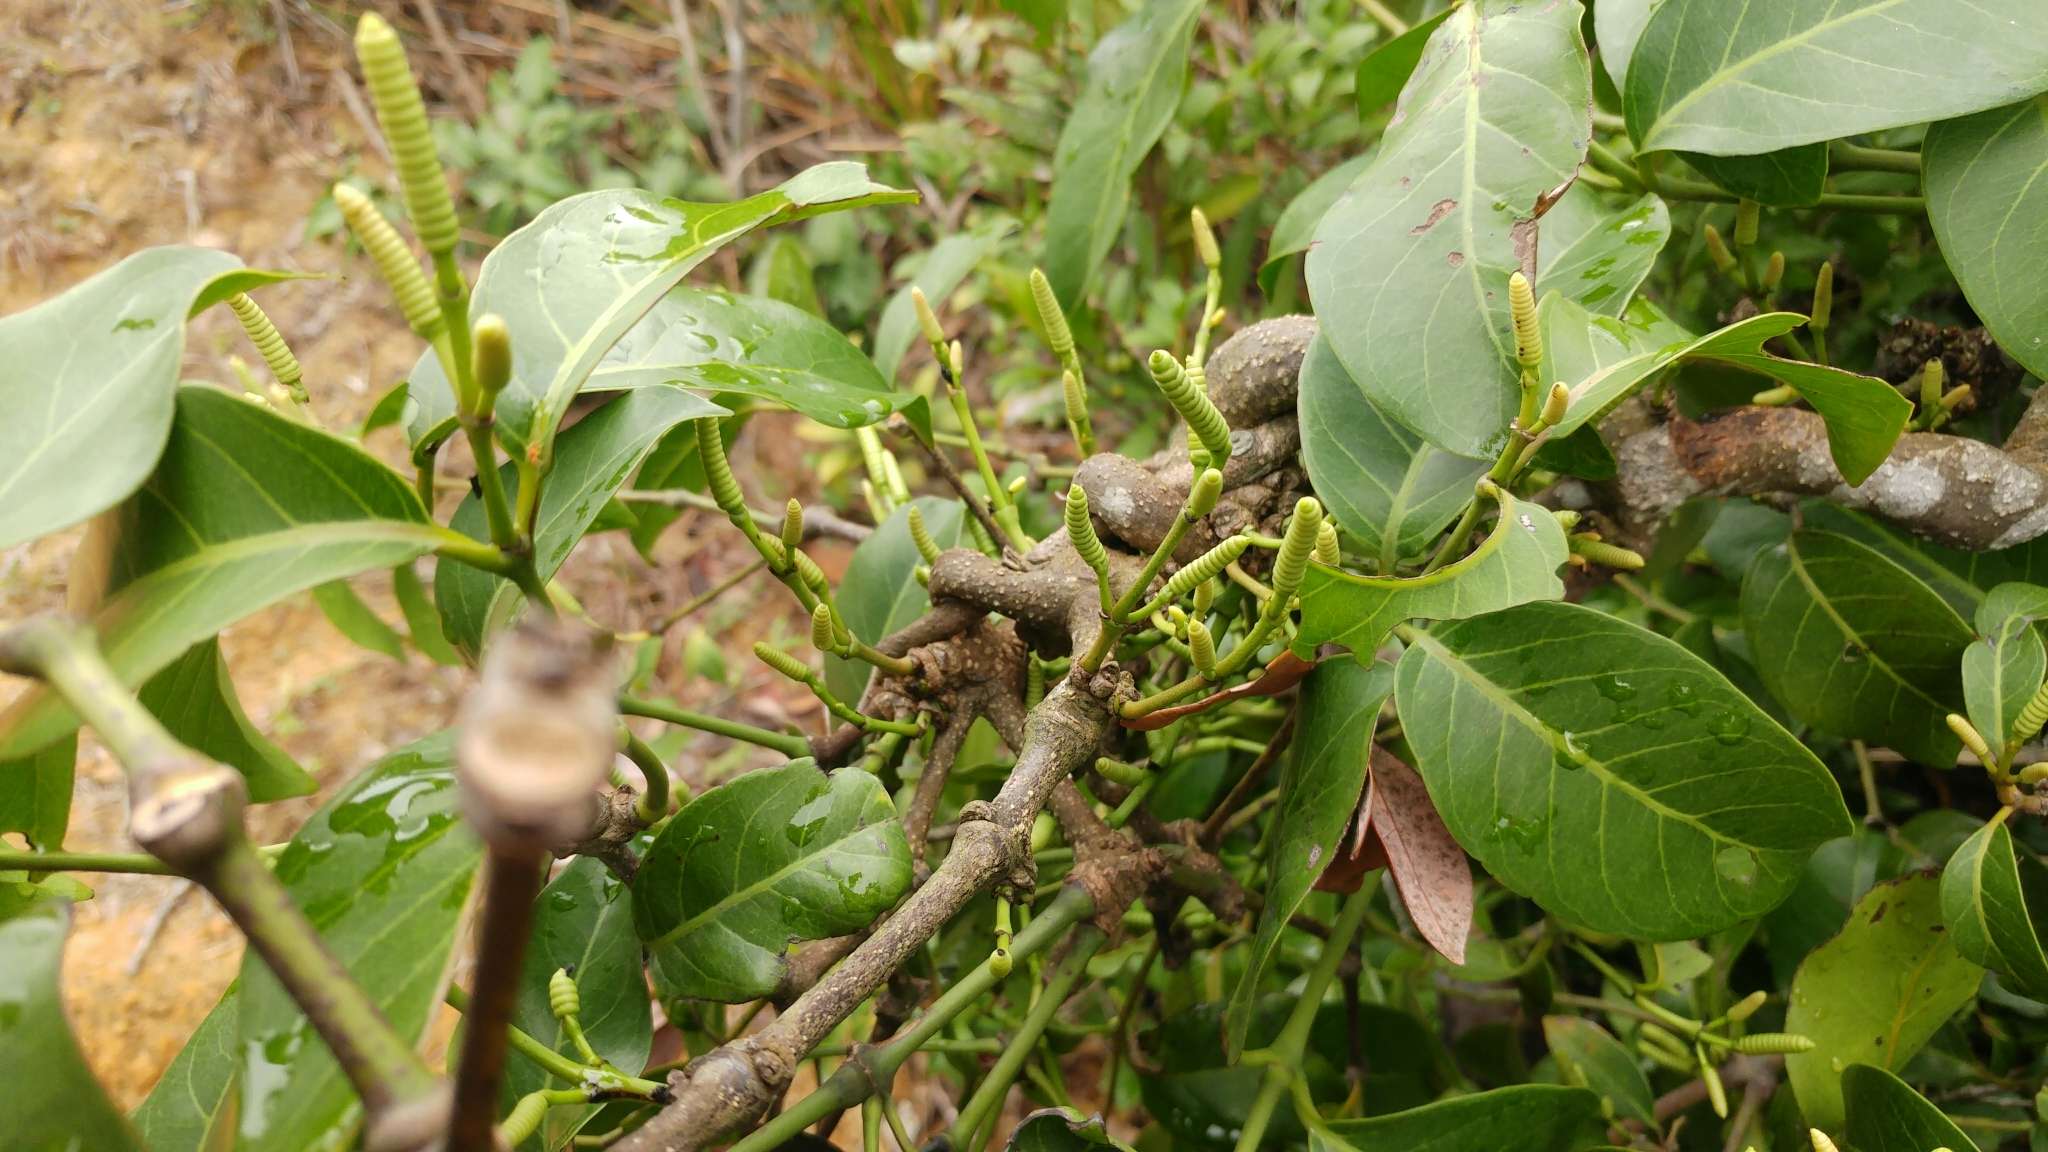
<point>559,1066</point>
<point>786,743</point>
<point>1286,1050</point>
<point>654,800</point>
<point>996,1085</point>
<point>1846,157</point>
<point>133,863</point>
<point>1000,505</point>
<point>1605,160</point>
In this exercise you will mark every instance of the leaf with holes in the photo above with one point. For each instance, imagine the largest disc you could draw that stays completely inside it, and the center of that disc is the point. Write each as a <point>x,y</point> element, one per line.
<point>1135,76</point>
<point>755,864</point>
<point>1875,993</point>
<point>1516,563</point>
<point>1986,201</point>
<point>1319,788</point>
<point>1994,900</point>
<point>1855,645</point>
<point>1409,270</point>
<point>1391,493</point>
<point>1608,774</point>
<point>1733,78</point>
<point>245,507</point>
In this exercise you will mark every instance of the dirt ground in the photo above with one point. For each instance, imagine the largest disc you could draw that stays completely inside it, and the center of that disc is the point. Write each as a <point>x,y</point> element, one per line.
<point>135,123</point>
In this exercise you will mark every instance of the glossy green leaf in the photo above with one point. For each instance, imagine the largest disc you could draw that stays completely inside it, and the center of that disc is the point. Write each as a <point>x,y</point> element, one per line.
<point>1732,78</point>
<point>943,268</point>
<point>35,794</point>
<point>1525,1117</point>
<point>584,273</point>
<point>782,271</point>
<point>382,870</point>
<point>52,1101</point>
<point>593,459</point>
<point>1994,900</point>
<point>1959,578</point>
<point>195,698</point>
<point>1597,253</point>
<point>717,343</point>
<point>1517,562</point>
<point>878,594</point>
<point>1409,270</point>
<point>755,864</point>
<point>1788,178</point>
<point>583,921</point>
<point>1864,415</point>
<point>1386,70</point>
<point>1579,344</point>
<point>89,385</point>
<point>1320,783</point>
<point>1855,645</point>
<point>1608,774</point>
<point>1618,24</point>
<point>2003,668</point>
<point>1886,1115</point>
<point>1986,202</point>
<point>1389,491</point>
<point>1591,1058</point>
<point>191,1099</point>
<point>1135,75</point>
<point>1061,1130</point>
<point>1875,993</point>
<point>356,620</point>
<point>1297,224</point>
<point>245,507</point>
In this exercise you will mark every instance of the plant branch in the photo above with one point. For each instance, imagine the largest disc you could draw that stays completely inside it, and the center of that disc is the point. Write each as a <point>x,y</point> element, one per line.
<point>786,743</point>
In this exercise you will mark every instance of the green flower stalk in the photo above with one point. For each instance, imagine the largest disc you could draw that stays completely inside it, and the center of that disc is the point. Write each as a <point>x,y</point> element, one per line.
<point>1747,1006</point>
<point>1201,648</point>
<point>1528,334</point>
<point>1203,420</point>
<point>1051,316</point>
<point>800,672</point>
<point>1205,240</point>
<point>1748,214</point>
<point>1774,272</point>
<point>490,358</point>
<point>396,265</point>
<point>1295,549</point>
<point>1073,381</point>
<point>396,97</point>
<point>1196,573</point>
<point>821,629</point>
<point>999,961</point>
<point>563,999</point>
<point>1773,1044</point>
<point>1329,552</point>
<point>792,525</point>
<point>1973,740</point>
<point>920,535</point>
<point>1212,259</point>
<point>270,345</point>
<point>1717,250</point>
<point>1589,547</point>
<point>1121,772</point>
<point>1823,298</point>
<point>1717,1093</point>
<point>1081,534</point>
<point>2032,718</point>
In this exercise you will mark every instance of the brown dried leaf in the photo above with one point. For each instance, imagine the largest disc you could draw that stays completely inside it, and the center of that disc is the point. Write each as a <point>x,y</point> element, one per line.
<point>1428,867</point>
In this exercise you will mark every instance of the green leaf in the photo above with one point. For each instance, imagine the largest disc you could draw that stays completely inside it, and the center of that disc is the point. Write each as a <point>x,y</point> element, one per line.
<point>1320,783</point>
<point>422,619</point>
<point>1864,415</point>
<point>1201,1100</point>
<point>245,507</point>
<point>1875,993</point>
<point>1617,25</point>
<point>1731,78</point>
<point>181,1112</point>
<point>944,267</point>
<point>1886,1115</point>
<point>1591,1058</point>
<point>1525,1117</point>
<point>2002,670</point>
<point>357,620</point>
<point>89,385</point>
<point>35,794</point>
<point>583,921</point>
<point>1061,1130</point>
<point>1788,178</point>
<point>1516,563</point>
<point>1409,270</point>
<point>716,342</point>
<point>1994,900</point>
<point>577,279</point>
<point>1985,199</point>
<point>1392,493</point>
<point>195,698</point>
<point>673,463</point>
<point>878,594</point>
<point>745,869</point>
<point>1297,224</point>
<point>1855,645</point>
<point>1386,69</point>
<point>782,271</point>
<point>382,870</point>
<point>1610,775</point>
<point>52,1101</point>
<point>1135,74</point>
<point>593,459</point>
<point>1596,255</point>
